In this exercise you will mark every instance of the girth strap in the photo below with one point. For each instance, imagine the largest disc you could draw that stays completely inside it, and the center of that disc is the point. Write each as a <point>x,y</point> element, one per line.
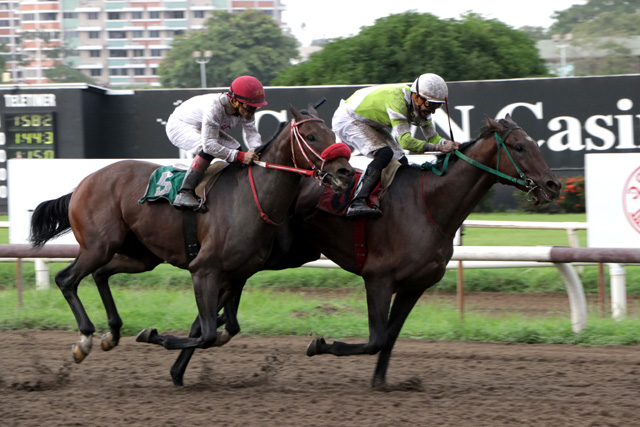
<point>190,233</point>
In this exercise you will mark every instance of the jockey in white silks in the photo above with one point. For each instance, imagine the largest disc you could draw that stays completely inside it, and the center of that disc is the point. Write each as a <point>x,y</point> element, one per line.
<point>198,126</point>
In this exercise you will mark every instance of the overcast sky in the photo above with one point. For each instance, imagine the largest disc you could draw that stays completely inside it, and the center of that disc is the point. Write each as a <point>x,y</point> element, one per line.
<point>316,19</point>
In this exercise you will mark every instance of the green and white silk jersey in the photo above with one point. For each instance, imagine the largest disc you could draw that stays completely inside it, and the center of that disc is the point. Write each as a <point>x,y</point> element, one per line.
<point>390,107</point>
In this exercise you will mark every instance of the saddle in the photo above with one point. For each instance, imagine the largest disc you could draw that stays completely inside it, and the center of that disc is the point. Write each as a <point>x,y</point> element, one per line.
<point>337,203</point>
<point>165,182</point>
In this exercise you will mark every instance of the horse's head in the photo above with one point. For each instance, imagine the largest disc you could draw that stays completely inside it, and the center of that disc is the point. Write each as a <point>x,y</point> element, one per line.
<point>313,146</point>
<point>519,156</point>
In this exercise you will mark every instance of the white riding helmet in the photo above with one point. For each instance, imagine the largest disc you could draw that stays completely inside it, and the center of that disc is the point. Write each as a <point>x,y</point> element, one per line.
<point>431,86</point>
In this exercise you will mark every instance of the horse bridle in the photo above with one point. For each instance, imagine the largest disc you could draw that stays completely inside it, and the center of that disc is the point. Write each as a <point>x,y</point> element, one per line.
<point>296,136</point>
<point>500,142</point>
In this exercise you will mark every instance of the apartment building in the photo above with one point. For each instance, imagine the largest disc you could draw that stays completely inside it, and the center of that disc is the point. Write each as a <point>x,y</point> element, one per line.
<point>115,42</point>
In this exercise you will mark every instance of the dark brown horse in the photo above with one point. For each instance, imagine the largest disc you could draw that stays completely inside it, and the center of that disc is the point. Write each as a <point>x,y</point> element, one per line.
<point>409,246</point>
<point>118,235</point>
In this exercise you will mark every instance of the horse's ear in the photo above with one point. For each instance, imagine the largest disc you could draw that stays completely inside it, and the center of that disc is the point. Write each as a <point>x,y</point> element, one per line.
<point>508,117</point>
<point>295,113</point>
<point>312,111</point>
<point>493,124</point>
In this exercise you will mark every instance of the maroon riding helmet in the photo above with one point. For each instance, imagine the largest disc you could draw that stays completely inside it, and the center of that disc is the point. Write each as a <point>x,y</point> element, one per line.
<point>249,90</point>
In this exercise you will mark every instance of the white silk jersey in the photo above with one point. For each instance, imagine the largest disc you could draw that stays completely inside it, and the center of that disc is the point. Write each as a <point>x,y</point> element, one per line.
<point>200,123</point>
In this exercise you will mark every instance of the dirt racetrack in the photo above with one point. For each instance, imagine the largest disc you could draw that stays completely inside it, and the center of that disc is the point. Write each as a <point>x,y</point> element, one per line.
<point>269,381</point>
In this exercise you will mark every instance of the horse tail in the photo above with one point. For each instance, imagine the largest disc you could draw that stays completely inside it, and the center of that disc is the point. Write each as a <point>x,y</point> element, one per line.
<point>50,219</point>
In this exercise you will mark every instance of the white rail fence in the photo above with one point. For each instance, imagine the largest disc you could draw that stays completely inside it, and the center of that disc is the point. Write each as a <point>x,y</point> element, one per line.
<point>561,258</point>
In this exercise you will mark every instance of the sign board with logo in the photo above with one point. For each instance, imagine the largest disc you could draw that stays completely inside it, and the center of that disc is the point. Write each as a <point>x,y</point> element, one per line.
<point>613,200</point>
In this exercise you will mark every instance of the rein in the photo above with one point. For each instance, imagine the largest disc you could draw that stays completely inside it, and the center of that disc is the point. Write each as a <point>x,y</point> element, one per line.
<point>296,136</point>
<point>523,180</point>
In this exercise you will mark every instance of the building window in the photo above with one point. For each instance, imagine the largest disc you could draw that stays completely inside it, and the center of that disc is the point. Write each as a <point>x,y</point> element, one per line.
<point>114,16</point>
<point>137,34</point>
<point>138,52</point>
<point>95,54</point>
<point>139,71</point>
<point>154,15</point>
<point>48,16</point>
<point>28,17</point>
<point>5,23</point>
<point>118,53</point>
<point>118,71</point>
<point>154,34</point>
<point>96,72</point>
<point>156,52</point>
<point>136,15</point>
<point>94,34</point>
<point>93,15</point>
<point>69,15</point>
<point>175,14</point>
<point>117,34</point>
<point>198,14</point>
<point>178,33</point>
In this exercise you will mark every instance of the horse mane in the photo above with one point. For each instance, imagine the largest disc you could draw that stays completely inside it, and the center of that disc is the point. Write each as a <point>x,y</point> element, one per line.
<point>281,127</point>
<point>485,132</point>
<point>263,147</point>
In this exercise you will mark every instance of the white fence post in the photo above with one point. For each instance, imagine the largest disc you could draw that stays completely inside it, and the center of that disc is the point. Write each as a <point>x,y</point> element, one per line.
<point>41,268</point>
<point>618,291</point>
<point>577,299</point>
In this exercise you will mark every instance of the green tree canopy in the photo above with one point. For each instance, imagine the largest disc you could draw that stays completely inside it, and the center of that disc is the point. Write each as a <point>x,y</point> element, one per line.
<point>62,73</point>
<point>400,47</point>
<point>599,18</point>
<point>248,43</point>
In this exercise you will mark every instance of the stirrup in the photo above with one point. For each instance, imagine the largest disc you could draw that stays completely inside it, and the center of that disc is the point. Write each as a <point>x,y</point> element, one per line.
<point>359,207</point>
<point>186,199</point>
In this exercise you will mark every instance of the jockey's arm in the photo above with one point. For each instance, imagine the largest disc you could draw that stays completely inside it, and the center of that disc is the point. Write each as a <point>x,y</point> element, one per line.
<point>415,145</point>
<point>252,136</point>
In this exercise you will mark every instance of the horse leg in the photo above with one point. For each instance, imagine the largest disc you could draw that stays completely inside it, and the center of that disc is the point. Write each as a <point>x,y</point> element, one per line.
<point>119,264</point>
<point>402,306</point>
<point>68,280</point>
<point>378,302</point>
<point>205,286</point>
<point>232,327</point>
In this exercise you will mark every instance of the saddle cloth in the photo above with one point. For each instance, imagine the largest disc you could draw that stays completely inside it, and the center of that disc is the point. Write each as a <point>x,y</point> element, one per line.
<point>337,203</point>
<point>165,182</point>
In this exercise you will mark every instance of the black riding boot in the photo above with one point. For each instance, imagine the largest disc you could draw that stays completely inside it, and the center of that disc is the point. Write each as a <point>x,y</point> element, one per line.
<point>186,197</point>
<point>358,206</point>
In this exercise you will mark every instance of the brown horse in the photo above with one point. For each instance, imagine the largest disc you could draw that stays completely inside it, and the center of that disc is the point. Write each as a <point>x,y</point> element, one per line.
<point>409,246</point>
<point>119,235</point>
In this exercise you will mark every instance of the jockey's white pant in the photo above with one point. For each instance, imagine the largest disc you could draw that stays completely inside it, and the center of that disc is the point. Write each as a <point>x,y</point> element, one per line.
<point>359,135</point>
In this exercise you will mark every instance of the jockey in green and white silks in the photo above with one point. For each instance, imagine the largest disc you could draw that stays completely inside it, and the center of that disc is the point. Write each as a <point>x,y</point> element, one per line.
<point>377,121</point>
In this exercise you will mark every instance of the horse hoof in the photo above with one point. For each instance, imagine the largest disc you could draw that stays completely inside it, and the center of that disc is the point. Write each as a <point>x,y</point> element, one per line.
<point>108,343</point>
<point>78,354</point>
<point>314,346</point>
<point>379,384</point>
<point>223,338</point>
<point>82,348</point>
<point>146,334</point>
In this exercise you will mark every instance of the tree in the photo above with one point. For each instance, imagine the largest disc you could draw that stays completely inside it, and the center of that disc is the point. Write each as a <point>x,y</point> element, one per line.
<point>248,43</point>
<point>400,47</point>
<point>568,20</point>
<point>62,73</point>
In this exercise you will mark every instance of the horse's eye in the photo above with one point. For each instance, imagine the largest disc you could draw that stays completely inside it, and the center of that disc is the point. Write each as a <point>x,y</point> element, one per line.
<point>310,137</point>
<point>519,148</point>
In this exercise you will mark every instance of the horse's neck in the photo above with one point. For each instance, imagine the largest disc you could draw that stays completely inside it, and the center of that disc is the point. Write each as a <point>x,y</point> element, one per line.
<point>284,184</point>
<point>453,196</point>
